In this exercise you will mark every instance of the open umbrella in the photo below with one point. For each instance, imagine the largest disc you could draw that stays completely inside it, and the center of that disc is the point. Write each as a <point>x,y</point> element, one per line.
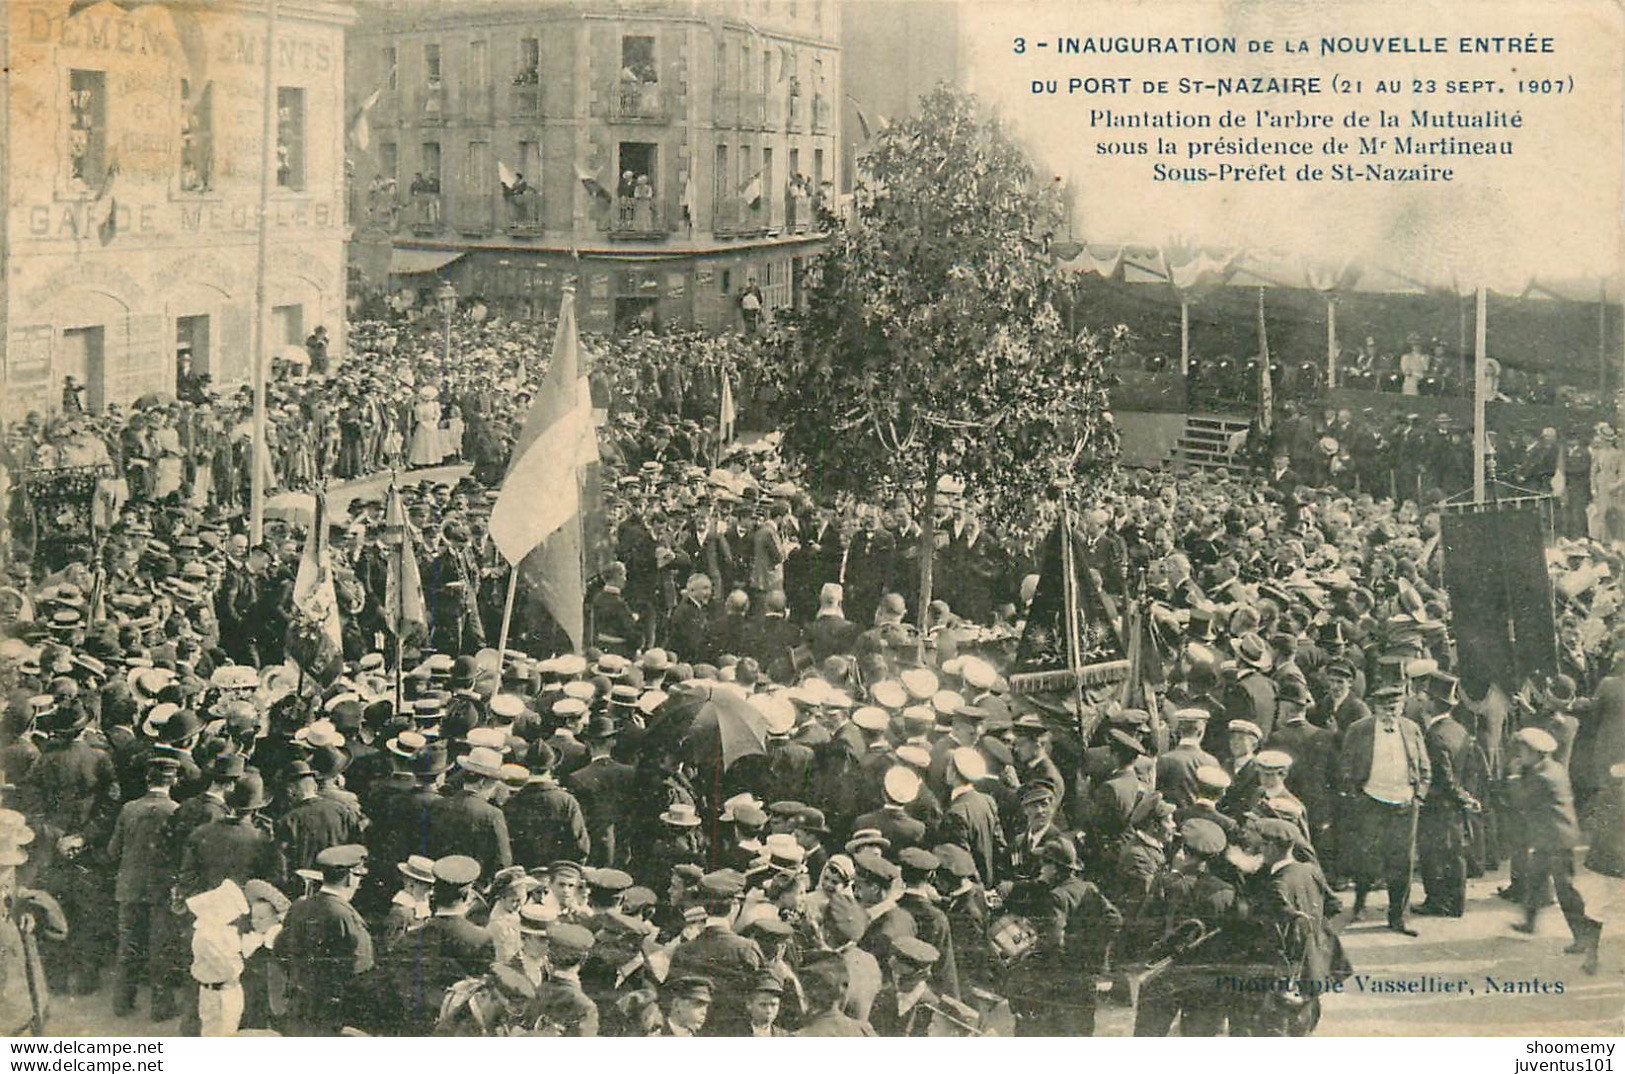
<point>712,721</point>
<point>153,399</point>
<point>294,508</point>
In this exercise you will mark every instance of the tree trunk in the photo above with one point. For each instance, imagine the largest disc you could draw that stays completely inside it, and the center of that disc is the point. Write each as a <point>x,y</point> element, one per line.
<point>928,540</point>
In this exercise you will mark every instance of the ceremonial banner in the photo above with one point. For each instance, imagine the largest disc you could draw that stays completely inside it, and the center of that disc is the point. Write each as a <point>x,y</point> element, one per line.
<point>315,636</point>
<point>1500,598</point>
<point>1044,643</point>
<point>403,594</point>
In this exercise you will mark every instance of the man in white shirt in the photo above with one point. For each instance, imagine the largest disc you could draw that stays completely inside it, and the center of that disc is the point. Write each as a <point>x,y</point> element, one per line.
<point>1385,774</point>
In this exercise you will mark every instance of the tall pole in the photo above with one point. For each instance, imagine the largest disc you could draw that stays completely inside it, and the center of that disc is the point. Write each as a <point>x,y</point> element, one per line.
<point>262,346</point>
<point>1481,438</point>
<point>1331,342</point>
<point>1184,336</point>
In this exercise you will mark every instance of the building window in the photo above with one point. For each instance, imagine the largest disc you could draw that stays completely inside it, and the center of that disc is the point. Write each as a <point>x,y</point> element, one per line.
<point>818,167</point>
<point>431,65</point>
<point>530,62</point>
<point>725,280</point>
<point>288,323</point>
<point>430,157</point>
<point>767,71</point>
<point>638,59</point>
<point>479,66</point>
<point>392,79</point>
<point>389,161</point>
<point>290,138</point>
<point>744,68</point>
<point>197,137</point>
<point>87,127</point>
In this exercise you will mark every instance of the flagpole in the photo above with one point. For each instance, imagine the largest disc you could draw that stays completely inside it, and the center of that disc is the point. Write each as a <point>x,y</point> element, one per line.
<point>261,351</point>
<point>1480,431</point>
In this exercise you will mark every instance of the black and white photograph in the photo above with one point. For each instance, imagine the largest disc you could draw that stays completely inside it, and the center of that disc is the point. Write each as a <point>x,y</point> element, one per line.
<point>812,518</point>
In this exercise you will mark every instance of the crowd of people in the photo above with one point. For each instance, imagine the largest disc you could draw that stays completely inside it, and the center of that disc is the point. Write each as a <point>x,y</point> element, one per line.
<point>769,796</point>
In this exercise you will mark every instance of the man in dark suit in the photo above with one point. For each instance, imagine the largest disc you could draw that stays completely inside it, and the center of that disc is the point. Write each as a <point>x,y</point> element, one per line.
<point>1441,828</point>
<point>729,960</point>
<point>449,947</point>
<point>868,567</point>
<point>971,819</point>
<point>141,889</point>
<point>467,822</point>
<point>1313,751</point>
<point>831,633</point>
<point>1177,767</point>
<point>901,786</point>
<point>1384,774</point>
<point>1340,707</point>
<point>545,821</point>
<point>688,633</point>
<point>908,1006</point>
<point>771,637</point>
<point>614,624</point>
<point>1551,831</point>
<point>325,946</point>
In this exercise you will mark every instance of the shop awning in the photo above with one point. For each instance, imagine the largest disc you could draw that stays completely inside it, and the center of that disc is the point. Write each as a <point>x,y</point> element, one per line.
<point>405,262</point>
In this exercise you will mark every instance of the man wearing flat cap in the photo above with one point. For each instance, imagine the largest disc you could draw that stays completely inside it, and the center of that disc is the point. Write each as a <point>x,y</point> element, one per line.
<point>562,1006</point>
<point>1193,892</point>
<point>1288,900</point>
<point>1053,990</point>
<point>326,948</point>
<point>906,1008</point>
<point>450,948</point>
<point>1551,831</point>
<point>725,958</point>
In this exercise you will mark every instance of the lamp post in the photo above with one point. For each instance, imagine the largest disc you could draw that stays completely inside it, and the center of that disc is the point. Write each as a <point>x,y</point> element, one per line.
<point>446,295</point>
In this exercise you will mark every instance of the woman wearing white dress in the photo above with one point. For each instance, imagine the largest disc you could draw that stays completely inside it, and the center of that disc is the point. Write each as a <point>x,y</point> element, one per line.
<point>425,447</point>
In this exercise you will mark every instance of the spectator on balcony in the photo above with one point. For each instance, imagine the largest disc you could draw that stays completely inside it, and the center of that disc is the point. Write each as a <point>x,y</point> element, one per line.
<point>623,199</point>
<point>519,197</point>
<point>425,199</point>
<point>643,205</point>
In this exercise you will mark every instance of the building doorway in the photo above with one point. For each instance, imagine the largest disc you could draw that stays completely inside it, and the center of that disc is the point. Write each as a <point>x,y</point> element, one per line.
<point>84,358</point>
<point>191,350</point>
<point>637,313</point>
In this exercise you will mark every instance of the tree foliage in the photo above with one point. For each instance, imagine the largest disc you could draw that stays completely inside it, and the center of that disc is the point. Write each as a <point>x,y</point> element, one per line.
<point>931,344</point>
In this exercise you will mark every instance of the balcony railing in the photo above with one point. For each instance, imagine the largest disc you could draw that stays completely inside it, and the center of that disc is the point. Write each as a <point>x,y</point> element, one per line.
<point>427,212</point>
<point>637,102</point>
<point>526,99</point>
<point>524,213</point>
<point>798,214</point>
<point>637,218</point>
<point>820,114</point>
<point>735,218</point>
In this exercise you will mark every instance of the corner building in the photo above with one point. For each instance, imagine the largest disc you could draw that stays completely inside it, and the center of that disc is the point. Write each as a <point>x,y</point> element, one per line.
<point>131,179</point>
<point>668,151</point>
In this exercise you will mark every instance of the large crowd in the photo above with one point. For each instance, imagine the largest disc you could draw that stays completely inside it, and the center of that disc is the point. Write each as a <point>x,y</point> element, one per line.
<point>770,796</point>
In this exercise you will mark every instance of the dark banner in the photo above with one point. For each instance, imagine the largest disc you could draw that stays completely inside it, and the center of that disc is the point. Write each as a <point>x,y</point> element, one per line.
<point>1500,597</point>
